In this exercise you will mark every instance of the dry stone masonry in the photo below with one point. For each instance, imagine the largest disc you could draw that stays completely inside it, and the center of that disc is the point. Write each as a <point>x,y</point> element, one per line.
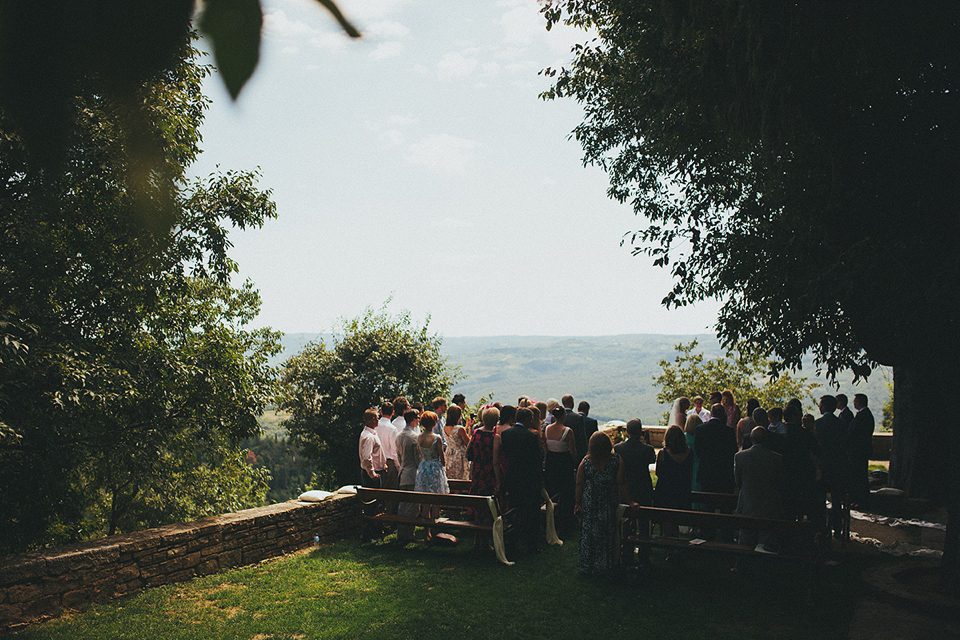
<point>40,585</point>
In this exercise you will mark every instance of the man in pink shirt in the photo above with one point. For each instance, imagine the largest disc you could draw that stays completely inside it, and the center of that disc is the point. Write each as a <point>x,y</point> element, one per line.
<point>372,465</point>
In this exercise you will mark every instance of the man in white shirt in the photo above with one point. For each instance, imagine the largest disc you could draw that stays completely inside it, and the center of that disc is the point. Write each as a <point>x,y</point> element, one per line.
<point>400,406</point>
<point>388,439</point>
<point>372,464</point>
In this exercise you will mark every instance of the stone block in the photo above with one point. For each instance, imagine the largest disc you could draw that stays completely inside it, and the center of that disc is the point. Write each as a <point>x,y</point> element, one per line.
<point>21,568</point>
<point>24,593</point>
<point>128,573</point>
<point>212,550</point>
<point>131,586</point>
<point>74,598</point>
<point>207,567</point>
<point>10,613</point>
<point>231,558</point>
<point>42,606</point>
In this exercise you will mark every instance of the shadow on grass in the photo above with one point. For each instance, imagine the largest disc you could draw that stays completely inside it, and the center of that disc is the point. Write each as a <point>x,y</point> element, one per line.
<point>391,590</point>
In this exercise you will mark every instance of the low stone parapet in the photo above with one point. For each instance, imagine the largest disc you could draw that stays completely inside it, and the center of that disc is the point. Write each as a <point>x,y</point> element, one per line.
<point>35,586</point>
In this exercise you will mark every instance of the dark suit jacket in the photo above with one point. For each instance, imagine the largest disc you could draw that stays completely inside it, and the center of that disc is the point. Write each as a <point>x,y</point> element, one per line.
<point>832,434</point>
<point>637,456</point>
<point>759,474</point>
<point>846,415</point>
<point>589,426</point>
<point>860,435</point>
<point>716,445</point>
<point>575,421</point>
<point>524,478</point>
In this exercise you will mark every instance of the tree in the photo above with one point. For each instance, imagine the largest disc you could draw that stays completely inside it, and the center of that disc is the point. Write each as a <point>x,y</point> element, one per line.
<point>52,51</point>
<point>127,374</point>
<point>747,375</point>
<point>799,161</point>
<point>375,357</point>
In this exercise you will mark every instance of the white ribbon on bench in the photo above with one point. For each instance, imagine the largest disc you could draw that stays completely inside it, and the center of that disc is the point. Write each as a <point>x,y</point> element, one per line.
<point>552,538</point>
<point>498,546</point>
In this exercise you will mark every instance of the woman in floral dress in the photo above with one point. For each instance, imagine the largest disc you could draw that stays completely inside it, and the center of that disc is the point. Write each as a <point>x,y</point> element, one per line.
<point>457,440</point>
<point>598,479</point>
<point>483,478</point>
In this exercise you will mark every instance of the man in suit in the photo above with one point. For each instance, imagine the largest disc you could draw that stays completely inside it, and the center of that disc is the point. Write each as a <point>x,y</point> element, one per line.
<point>575,421</point>
<point>843,411</point>
<point>758,471</point>
<point>524,478</point>
<point>637,456</point>
<point>715,444</point>
<point>859,449</point>
<point>589,424</point>
<point>832,434</point>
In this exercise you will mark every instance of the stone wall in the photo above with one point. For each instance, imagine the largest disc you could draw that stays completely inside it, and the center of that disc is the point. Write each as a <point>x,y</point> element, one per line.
<point>40,585</point>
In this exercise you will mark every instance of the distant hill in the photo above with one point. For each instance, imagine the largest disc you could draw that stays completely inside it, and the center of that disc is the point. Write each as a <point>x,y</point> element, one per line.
<point>613,373</point>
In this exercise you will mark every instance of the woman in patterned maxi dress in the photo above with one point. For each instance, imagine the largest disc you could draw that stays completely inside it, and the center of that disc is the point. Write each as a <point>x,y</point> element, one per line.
<point>598,479</point>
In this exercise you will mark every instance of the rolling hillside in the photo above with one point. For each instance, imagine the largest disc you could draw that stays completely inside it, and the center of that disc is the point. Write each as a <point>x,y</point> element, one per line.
<point>613,373</point>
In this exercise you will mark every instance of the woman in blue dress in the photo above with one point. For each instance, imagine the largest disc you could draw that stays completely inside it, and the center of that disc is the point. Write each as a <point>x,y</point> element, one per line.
<point>431,476</point>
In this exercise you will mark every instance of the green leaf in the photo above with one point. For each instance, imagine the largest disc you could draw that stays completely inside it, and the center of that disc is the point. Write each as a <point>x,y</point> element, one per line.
<point>332,8</point>
<point>234,29</point>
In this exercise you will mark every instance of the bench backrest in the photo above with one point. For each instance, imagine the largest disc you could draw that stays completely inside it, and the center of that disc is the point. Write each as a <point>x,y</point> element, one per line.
<point>456,500</point>
<point>718,520</point>
<point>714,499</point>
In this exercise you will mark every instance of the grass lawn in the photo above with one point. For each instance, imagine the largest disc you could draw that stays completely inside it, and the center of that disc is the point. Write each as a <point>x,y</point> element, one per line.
<point>392,591</point>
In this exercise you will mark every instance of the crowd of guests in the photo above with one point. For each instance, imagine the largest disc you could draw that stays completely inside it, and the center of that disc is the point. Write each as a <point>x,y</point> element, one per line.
<point>784,463</point>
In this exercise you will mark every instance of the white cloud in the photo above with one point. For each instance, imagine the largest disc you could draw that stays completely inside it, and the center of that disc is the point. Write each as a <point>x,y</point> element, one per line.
<point>391,139</point>
<point>331,41</point>
<point>490,69</point>
<point>276,24</point>
<point>443,153</point>
<point>369,10</point>
<point>522,24</point>
<point>386,29</point>
<point>455,65</point>
<point>386,50</point>
<point>402,121</point>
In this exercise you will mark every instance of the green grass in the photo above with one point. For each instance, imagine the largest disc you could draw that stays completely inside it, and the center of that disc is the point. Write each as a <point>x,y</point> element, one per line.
<point>390,591</point>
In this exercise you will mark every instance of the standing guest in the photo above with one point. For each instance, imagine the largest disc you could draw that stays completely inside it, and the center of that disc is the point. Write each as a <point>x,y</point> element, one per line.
<point>758,472</point>
<point>455,439</point>
<point>759,418</point>
<point>575,421</point>
<point>589,424</point>
<point>678,414</point>
<point>832,434</point>
<point>439,406</point>
<point>689,432</point>
<point>400,406</point>
<point>715,398</point>
<point>808,422</point>
<point>408,455</point>
<point>598,478</point>
<point>483,476</point>
<point>460,400</point>
<point>859,449</point>
<point>744,427</point>
<point>716,445</point>
<point>777,425</point>
<point>524,477</point>
<point>372,464</point>
<point>388,440</point>
<point>508,415</point>
<point>674,475</point>
<point>796,403</point>
<point>731,407</point>
<point>430,474</point>
<point>801,468</point>
<point>418,406</point>
<point>699,409</point>
<point>636,457</point>
<point>536,425</point>
<point>843,411</point>
<point>558,469</point>
<point>549,406</point>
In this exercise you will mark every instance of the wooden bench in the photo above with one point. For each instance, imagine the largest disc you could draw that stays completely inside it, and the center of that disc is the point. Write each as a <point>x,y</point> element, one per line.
<point>448,502</point>
<point>800,541</point>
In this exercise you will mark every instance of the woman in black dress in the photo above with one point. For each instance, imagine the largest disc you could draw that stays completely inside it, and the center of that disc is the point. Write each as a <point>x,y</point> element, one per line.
<point>674,475</point>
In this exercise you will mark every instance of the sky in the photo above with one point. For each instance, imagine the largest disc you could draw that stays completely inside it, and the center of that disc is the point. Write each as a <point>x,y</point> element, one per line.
<point>419,164</point>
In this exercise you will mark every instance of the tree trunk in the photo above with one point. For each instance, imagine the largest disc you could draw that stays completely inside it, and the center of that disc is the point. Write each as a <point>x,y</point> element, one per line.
<point>926,446</point>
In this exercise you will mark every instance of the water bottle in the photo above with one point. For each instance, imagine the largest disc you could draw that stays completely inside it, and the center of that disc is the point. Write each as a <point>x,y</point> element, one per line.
<point>316,539</point>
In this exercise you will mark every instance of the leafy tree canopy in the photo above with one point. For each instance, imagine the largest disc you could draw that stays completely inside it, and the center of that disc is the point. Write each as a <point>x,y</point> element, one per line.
<point>797,160</point>
<point>375,357</point>
<point>127,372</point>
<point>746,375</point>
<point>52,51</point>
